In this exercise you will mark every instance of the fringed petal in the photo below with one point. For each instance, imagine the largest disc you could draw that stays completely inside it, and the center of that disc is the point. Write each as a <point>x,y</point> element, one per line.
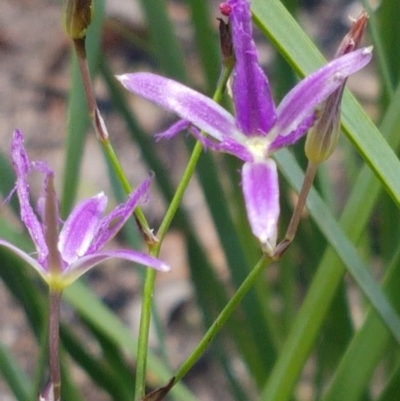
<point>112,223</point>
<point>22,168</point>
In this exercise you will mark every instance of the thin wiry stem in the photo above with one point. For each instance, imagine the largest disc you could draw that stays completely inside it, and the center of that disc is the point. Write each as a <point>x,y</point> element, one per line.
<point>222,318</point>
<point>294,221</point>
<point>147,302</point>
<point>54,342</point>
<point>102,135</point>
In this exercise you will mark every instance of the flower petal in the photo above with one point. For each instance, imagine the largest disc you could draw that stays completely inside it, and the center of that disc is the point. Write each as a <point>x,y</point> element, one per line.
<point>300,102</point>
<point>255,109</point>
<point>27,258</point>
<point>80,228</point>
<point>185,102</point>
<point>233,147</point>
<point>283,141</point>
<point>261,195</point>
<point>22,168</point>
<point>227,145</point>
<point>173,130</point>
<point>82,265</point>
<point>112,223</point>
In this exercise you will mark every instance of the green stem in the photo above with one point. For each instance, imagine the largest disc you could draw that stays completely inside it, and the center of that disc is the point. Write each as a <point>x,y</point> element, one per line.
<point>143,340</point>
<point>103,137</point>
<point>54,342</point>
<point>222,318</point>
<point>116,165</point>
<point>139,215</point>
<point>189,171</point>
<point>145,317</point>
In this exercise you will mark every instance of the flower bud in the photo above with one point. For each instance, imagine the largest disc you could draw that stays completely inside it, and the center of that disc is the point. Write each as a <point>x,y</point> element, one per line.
<point>225,34</point>
<point>322,138</point>
<point>77,15</point>
<point>352,40</point>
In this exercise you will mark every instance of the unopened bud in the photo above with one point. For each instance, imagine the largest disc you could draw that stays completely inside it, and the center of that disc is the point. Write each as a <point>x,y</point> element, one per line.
<point>77,15</point>
<point>352,40</point>
<point>322,138</point>
<point>225,34</point>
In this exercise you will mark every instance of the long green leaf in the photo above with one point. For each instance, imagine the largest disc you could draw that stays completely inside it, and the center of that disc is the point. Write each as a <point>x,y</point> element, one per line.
<point>366,348</point>
<point>166,47</point>
<point>392,387</point>
<point>101,371</point>
<point>379,49</point>
<point>14,376</point>
<point>389,33</point>
<point>206,40</point>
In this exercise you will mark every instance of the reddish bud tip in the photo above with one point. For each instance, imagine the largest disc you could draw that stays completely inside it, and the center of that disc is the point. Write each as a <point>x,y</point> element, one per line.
<point>352,40</point>
<point>225,9</point>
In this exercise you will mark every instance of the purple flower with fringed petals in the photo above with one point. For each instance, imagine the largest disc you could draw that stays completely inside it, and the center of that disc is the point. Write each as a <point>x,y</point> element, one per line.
<point>259,128</point>
<point>63,256</point>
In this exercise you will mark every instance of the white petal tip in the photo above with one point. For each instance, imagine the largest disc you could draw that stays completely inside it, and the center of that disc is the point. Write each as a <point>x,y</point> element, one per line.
<point>121,78</point>
<point>368,50</point>
<point>164,268</point>
<point>100,195</point>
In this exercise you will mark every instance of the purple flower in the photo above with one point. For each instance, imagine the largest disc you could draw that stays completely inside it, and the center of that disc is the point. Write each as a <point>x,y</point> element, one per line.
<point>63,256</point>
<point>259,128</point>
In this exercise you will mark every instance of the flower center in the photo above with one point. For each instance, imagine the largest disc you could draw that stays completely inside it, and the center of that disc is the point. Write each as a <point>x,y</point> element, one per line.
<point>258,147</point>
